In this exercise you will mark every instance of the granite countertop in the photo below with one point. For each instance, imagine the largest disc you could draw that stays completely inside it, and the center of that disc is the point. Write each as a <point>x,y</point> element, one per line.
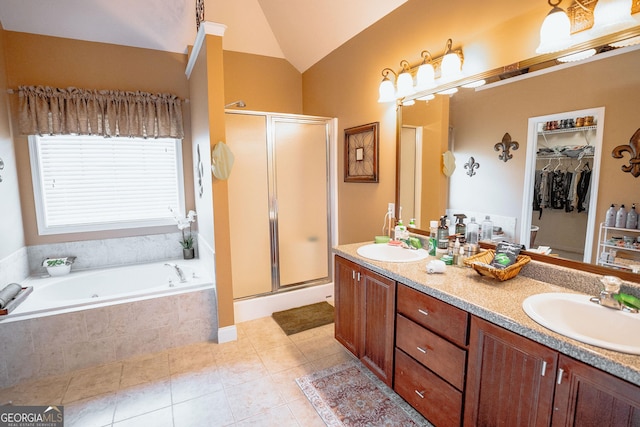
<point>500,303</point>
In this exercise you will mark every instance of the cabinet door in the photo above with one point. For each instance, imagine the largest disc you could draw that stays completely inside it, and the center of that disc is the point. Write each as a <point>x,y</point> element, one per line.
<point>378,324</point>
<point>586,396</point>
<point>510,379</point>
<point>347,304</point>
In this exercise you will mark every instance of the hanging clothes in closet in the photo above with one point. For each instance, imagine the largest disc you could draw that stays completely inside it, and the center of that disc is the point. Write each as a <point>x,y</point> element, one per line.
<point>561,189</point>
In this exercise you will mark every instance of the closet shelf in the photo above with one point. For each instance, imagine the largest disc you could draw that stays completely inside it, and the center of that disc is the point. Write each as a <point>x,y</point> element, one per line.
<point>565,130</point>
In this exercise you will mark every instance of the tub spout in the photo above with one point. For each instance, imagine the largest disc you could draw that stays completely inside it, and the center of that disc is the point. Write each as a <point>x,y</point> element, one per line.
<point>178,271</point>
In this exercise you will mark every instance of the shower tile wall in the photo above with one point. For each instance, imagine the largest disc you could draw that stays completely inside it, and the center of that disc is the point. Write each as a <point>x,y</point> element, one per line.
<point>51,345</point>
<point>109,252</point>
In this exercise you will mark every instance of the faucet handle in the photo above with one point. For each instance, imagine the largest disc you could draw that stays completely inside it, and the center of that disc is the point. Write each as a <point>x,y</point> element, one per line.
<point>611,284</point>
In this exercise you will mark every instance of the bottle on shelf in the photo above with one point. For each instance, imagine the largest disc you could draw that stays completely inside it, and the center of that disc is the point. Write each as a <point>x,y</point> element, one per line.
<point>610,219</point>
<point>487,229</point>
<point>621,217</point>
<point>632,218</point>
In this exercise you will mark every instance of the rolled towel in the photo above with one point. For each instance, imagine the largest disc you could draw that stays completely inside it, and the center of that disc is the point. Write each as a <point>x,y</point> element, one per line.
<point>8,293</point>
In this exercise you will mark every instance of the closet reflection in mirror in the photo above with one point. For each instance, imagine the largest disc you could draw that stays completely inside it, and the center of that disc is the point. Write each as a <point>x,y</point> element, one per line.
<point>562,182</point>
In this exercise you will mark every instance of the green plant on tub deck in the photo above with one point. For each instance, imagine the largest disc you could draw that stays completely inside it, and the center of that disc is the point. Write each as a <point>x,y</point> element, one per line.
<point>183,224</point>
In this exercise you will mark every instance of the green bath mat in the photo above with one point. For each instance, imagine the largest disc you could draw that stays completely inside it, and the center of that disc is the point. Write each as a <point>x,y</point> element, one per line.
<point>306,317</point>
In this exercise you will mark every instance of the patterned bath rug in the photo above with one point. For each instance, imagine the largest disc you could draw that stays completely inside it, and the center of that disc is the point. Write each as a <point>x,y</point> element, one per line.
<point>306,317</point>
<point>349,395</point>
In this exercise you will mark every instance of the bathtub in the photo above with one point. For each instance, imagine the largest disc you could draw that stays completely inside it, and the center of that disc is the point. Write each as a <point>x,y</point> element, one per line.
<point>82,290</point>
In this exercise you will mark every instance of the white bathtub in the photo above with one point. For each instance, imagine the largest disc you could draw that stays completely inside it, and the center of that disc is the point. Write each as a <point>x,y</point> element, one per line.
<point>81,290</point>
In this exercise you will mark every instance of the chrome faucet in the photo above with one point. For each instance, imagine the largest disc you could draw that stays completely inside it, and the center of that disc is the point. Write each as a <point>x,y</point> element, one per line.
<point>178,270</point>
<point>607,297</point>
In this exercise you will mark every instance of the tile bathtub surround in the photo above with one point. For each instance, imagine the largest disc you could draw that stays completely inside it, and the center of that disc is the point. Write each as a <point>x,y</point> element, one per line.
<point>14,268</point>
<point>62,343</point>
<point>197,384</point>
<point>109,252</point>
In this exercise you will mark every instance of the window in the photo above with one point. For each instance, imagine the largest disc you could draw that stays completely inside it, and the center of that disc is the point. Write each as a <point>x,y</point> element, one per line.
<point>91,183</point>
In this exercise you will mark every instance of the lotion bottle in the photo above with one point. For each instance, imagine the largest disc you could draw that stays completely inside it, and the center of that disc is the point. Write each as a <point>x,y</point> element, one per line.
<point>632,218</point>
<point>621,217</point>
<point>610,219</point>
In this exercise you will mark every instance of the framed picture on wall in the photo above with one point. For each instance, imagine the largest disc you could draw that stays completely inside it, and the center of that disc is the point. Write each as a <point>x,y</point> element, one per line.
<point>361,153</point>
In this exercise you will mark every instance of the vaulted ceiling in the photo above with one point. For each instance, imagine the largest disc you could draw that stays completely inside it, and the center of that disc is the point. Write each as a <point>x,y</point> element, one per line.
<point>302,31</point>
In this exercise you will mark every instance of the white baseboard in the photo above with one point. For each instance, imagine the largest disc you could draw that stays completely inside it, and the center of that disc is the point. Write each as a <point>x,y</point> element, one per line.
<point>227,334</point>
<point>264,306</point>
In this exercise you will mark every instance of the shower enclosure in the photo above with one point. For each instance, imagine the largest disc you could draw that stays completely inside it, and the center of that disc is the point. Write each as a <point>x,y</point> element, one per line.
<point>279,201</point>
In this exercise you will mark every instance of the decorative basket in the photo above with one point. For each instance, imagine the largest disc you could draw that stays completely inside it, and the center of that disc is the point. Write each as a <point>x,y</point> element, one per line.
<point>481,264</point>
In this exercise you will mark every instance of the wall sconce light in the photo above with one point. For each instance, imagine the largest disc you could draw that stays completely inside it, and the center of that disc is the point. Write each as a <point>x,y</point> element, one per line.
<point>405,81</point>
<point>578,56</point>
<point>612,15</point>
<point>555,32</point>
<point>387,91</point>
<point>451,66</point>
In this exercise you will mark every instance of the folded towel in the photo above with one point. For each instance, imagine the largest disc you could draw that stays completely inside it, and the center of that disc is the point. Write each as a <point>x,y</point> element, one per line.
<point>8,293</point>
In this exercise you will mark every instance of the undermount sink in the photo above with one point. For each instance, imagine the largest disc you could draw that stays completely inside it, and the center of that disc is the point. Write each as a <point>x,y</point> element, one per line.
<point>390,253</point>
<point>574,316</point>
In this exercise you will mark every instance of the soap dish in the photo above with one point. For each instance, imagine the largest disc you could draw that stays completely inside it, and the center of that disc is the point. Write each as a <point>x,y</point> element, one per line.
<point>481,263</point>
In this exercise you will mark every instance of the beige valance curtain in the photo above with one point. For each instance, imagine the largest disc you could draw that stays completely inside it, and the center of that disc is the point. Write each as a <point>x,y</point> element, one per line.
<point>52,111</point>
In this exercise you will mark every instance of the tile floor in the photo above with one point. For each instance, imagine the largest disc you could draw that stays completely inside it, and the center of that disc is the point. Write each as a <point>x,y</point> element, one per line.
<point>248,382</point>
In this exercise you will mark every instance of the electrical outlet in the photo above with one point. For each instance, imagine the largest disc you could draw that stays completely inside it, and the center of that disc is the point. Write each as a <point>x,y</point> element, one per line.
<point>392,209</point>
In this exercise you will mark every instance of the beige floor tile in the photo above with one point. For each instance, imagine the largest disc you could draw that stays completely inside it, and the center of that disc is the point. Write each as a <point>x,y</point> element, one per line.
<point>142,369</point>
<point>46,391</point>
<point>140,399</point>
<point>285,381</point>
<point>189,385</point>
<point>261,326</point>
<point>305,413</point>
<point>159,418</point>
<point>322,331</point>
<point>191,357</point>
<point>233,350</point>
<point>242,370</point>
<point>278,416</point>
<point>319,347</point>
<point>281,358</point>
<point>94,411</point>
<point>211,410</point>
<point>93,382</point>
<point>332,360</point>
<point>253,397</point>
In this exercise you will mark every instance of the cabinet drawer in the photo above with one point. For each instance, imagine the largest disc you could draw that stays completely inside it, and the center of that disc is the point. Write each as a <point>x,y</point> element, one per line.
<point>440,317</point>
<point>434,398</point>
<point>434,352</point>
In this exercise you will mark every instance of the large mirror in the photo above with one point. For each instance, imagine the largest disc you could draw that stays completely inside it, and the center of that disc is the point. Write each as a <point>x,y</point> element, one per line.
<point>476,120</point>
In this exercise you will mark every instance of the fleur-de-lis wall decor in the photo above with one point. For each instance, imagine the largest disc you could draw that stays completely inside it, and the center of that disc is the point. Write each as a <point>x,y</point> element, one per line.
<point>506,145</point>
<point>471,165</point>
<point>634,154</point>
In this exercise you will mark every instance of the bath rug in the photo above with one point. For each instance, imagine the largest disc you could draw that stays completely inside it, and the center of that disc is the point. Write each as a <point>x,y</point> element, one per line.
<point>306,317</point>
<point>349,395</point>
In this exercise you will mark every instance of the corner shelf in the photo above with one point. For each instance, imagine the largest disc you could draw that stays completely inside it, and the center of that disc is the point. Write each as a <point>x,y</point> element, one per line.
<point>611,251</point>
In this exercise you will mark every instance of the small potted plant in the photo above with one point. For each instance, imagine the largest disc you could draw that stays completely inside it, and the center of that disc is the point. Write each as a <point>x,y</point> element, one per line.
<point>188,250</point>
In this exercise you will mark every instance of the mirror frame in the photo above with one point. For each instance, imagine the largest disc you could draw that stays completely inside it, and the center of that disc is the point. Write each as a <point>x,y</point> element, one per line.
<point>536,63</point>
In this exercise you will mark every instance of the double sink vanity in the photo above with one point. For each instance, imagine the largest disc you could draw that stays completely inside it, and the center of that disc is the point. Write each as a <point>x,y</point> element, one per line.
<point>460,348</point>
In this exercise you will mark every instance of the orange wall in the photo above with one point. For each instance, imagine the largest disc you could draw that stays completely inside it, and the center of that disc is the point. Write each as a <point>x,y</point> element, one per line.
<point>52,61</point>
<point>345,83</point>
<point>262,82</point>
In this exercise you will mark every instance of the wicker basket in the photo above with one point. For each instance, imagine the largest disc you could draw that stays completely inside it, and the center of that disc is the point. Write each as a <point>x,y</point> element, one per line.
<point>501,274</point>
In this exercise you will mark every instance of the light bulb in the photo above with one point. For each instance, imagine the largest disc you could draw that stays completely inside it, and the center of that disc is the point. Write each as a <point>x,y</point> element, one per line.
<point>405,85</point>
<point>555,32</point>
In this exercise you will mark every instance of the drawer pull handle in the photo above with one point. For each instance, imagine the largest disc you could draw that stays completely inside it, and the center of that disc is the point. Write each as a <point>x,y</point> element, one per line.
<point>422,350</point>
<point>420,394</point>
<point>421,311</point>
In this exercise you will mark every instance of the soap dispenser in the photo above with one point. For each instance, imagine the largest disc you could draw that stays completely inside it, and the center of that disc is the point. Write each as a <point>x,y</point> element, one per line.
<point>443,234</point>
<point>400,232</point>
<point>461,228</point>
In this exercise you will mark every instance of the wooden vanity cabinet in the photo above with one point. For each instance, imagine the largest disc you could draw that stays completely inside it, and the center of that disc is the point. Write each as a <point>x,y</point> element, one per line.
<point>513,380</point>
<point>364,316</point>
<point>431,356</point>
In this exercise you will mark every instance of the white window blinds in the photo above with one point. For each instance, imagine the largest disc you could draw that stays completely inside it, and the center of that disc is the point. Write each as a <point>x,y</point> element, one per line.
<point>84,183</point>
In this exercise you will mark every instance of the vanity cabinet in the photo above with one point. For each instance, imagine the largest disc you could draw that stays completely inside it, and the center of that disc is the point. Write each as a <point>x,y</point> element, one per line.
<point>515,381</point>
<point>364,316</point>
<point>431,356</point>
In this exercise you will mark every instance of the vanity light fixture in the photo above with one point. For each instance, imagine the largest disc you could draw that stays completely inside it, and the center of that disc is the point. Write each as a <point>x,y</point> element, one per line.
<point>626,42</point>
<point>408,102</point>
<point>448,91</point>
<point>555,32</point>
<point>475,84</point>
<point>612,15</point>
<point>387,91</point>
<point>578,56</point>
<point>405,81</point>
<point>426,97</point>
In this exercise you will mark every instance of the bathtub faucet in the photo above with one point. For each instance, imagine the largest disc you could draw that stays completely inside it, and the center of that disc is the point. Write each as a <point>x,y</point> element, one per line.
<point>178,270</point>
